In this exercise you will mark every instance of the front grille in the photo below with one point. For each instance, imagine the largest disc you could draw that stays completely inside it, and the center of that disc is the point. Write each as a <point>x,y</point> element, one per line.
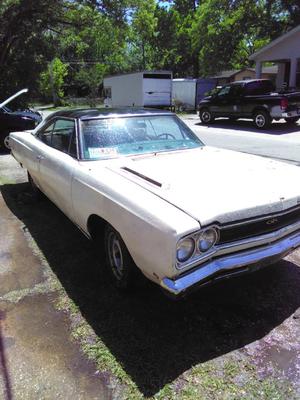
<point>251,228</point>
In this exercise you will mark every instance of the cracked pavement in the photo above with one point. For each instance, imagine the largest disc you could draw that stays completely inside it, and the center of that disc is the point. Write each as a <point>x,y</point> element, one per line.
<point>38,359</point>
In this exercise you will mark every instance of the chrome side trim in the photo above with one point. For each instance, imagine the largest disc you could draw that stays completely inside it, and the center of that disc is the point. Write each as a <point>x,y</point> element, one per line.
<point>242,245</point>
<point>231,263</point>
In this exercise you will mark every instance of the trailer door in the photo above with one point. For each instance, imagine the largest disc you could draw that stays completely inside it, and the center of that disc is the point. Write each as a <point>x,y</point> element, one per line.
<point>157,90</point>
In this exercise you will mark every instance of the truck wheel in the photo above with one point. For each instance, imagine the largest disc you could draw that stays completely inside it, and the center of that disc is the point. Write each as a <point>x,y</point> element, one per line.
<point>206,116</point>
<point>291,120</point>
<point>121,266</point>
<point>261,119</point>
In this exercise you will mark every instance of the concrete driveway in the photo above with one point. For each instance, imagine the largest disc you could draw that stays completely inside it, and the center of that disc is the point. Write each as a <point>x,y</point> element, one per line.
<point>281,140</point>
<point>38,359</point>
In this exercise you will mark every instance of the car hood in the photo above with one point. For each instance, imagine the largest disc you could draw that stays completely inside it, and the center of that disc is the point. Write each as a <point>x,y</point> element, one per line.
<point>28,114</point>
<point>214,185</point>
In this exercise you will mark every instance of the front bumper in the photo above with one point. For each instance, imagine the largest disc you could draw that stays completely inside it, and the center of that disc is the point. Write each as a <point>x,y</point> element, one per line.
<point>233,264</point>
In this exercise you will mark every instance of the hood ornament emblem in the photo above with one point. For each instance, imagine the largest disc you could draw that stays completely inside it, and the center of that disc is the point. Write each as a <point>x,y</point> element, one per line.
<point>272,221</point>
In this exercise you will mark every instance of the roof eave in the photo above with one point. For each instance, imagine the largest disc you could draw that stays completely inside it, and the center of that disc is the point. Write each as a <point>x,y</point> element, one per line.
<point>274,43</point>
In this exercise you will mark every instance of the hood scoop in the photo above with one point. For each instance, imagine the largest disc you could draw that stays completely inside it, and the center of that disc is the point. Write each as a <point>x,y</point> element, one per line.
<point>142,176</point>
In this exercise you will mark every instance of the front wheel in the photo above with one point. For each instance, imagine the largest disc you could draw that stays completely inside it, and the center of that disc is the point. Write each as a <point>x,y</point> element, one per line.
<point>291,120</point>
<point>118,260</point>
<point>206,116</point>
<point>261,119</point>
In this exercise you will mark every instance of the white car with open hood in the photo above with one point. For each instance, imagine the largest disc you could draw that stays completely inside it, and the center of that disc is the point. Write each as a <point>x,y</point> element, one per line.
<point>141,182</point>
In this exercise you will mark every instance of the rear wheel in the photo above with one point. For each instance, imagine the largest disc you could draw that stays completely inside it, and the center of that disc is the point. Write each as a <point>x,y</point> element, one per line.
<point>6,142</point>
<point>291,120</point>
<point>206,116</point>
<point>261,119</point>
<point>121,266</point>
<point>3,140</point>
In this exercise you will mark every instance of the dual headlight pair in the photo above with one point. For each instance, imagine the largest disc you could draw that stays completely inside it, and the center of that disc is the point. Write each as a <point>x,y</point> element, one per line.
<point>202,242</point>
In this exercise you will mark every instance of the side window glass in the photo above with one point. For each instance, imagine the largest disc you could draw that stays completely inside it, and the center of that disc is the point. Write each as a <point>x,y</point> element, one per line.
<point>63,134</point>
<point>224,91</point>
<point>235,90</point>
<point>73,145</point>
<point>45,135</point>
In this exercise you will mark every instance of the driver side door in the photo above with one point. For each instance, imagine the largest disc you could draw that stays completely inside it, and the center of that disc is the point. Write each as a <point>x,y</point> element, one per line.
<point>221,105</point>
<point>57,159</point>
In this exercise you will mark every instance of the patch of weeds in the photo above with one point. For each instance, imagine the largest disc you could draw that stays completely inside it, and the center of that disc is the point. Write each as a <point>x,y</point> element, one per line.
<point>5,181</point>
<point>96,350</point>
<point>212,381</point>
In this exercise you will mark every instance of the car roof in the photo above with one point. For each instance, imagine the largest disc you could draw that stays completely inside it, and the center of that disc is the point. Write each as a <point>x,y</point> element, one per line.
<point>248,81</point>
<point>90,113</point>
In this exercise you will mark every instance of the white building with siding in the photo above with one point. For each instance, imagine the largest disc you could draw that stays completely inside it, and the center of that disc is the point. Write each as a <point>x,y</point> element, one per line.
<point>284,51</point>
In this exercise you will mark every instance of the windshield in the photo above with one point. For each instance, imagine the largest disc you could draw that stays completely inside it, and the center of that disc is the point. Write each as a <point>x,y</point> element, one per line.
<point>113,137</point>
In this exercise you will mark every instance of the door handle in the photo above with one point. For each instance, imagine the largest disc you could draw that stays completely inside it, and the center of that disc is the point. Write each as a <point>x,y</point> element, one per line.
<point>40,157</point>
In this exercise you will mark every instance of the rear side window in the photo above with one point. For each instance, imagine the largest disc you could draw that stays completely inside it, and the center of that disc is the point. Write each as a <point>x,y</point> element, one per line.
<point>235,90</point>
<point>258,88</point>
<point>61,135</point>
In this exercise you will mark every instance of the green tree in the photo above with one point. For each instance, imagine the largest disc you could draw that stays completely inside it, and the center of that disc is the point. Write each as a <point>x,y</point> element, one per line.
<point>143,30</point>
<point>52,80</point>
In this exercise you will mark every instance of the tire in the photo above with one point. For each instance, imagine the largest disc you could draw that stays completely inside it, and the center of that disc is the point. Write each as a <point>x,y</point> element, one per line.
<point>36,193</point>
<point>291,120</point>
<point>206,116</point>
<point>261,119</point>
<point>6,142</point>
<point>3,136</point>
<point>121,267</point>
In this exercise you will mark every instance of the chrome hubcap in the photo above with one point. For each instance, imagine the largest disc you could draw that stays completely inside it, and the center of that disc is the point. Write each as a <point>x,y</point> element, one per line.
<point>206,116</point>
<point>115,255</point>
<point>260,120</point>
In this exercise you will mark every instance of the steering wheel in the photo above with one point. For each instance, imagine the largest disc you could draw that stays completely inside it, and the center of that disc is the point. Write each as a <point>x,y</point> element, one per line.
<point>166,136</point>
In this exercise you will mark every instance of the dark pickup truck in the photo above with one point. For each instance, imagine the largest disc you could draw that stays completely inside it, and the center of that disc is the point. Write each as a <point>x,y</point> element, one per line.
<point>255,99</point>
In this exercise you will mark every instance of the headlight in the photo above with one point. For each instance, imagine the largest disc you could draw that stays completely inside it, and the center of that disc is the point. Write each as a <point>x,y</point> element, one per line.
<point>185,248</point>
<point>207,239</point>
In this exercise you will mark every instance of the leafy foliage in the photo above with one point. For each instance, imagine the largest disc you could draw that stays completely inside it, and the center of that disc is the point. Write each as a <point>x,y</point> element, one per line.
<point>98,37</point>
<point>52,80</point>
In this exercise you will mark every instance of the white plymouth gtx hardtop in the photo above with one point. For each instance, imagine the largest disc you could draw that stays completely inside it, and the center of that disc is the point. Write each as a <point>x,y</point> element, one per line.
<point>162,202</point>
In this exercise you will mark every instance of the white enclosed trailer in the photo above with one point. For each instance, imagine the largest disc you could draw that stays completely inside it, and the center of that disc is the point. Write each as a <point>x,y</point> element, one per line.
<point>187,92</point>
<point>139,89</point>
<point>184,93</point>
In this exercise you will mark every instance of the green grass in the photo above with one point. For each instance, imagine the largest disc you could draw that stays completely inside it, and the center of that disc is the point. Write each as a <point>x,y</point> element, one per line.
<point>228,377</point>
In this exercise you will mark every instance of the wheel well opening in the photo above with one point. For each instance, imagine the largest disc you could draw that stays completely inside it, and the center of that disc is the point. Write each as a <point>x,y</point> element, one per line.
<point>96,226</point>
<point>259,109</point>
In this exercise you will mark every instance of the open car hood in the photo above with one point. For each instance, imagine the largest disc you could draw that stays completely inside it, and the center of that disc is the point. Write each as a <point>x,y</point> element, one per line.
<point>13,97</point>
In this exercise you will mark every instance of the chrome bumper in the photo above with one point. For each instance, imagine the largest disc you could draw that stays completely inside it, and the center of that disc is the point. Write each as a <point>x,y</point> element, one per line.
<point>291,114</point>
<point>233,264</point>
